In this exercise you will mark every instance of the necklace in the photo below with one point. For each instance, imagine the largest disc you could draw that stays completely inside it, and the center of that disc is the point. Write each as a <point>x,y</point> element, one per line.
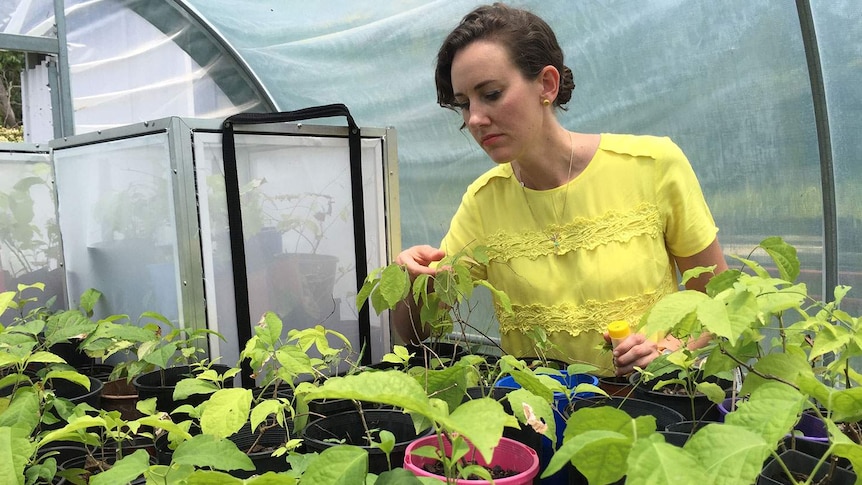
<point>555,237</point>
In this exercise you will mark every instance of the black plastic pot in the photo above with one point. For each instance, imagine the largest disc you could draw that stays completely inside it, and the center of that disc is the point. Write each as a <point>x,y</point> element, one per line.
<point>802,464</point>
<point>161,384</point>
<point>99,371</point>
<point>348,428</point>
<point>679,399</point>
<point>77,393</point>
<point>436,355</point>
<point>259,447</point>
<point>664,416</point>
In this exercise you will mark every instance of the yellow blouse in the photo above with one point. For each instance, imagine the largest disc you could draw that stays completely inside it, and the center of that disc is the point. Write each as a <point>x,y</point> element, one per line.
<point>571,267</point>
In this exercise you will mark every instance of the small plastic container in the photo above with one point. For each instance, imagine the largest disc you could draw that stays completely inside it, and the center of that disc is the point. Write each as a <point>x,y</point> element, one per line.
<point>618,330</point>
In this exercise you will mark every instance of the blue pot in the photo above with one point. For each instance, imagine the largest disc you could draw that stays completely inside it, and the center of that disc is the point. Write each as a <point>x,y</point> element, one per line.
<point>561,402</point>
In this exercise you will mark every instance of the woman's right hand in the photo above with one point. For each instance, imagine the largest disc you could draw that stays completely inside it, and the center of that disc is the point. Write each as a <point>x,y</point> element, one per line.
<point>417,259</point>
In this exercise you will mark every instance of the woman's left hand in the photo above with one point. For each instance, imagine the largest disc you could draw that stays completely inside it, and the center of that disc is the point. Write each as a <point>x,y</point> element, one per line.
<point>634,351</point>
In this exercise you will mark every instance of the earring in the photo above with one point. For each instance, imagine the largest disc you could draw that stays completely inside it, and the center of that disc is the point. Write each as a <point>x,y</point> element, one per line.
<point>546,102</point>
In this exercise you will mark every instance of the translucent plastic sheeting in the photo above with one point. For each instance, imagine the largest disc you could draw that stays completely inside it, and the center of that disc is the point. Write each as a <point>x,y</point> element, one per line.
<point>297,215</point>
<point>116,214</point>
<point>127,69</point>
<point>839,30</point>
<point>29,236</point>
<point>727,80</point>
<point>27,17</point>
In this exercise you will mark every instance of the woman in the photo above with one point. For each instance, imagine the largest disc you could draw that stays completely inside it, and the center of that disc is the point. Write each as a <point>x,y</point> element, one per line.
<point>582,229</point>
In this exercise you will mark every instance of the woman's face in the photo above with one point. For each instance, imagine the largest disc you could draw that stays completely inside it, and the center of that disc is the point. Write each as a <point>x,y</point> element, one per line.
<point>502,109</point>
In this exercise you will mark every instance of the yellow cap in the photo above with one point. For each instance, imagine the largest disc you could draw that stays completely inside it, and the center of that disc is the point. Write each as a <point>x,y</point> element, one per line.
<point>619,329</point>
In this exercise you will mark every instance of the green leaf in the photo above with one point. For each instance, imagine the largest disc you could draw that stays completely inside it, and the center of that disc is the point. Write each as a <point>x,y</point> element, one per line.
<point>784,256</point>
<point>226,412</point>
<point>771,411</point>
<point>191,386</point>
<point>46,358</point>
<point>6,298</point>
<point>480,421</point>
<point>269,329</point>
<point>161,355</point>
<point>787,366</point>
<point>541,409</point>
<point>124,470</point>
<point>730,454</point>
<point>672,310</point>
<point>210,477</point>
<point>599,455</point>
<point>23,412</point>
<point>70,376</point>
<point>271,478</point>
<point>89,299</point>
<point>388,387</point>
<point>338,465</point>
<point>264,409</point>
<point>829,338</point>
<point>713,316</point>
<point>16,450</point>
<point>394,285</point>
<point>653,461</point>
<point>208,451</point>
<point>448,384</point>
<point>398,476</point>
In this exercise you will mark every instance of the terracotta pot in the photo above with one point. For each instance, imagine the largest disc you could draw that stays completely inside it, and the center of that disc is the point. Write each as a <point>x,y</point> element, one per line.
<point>120,395</point>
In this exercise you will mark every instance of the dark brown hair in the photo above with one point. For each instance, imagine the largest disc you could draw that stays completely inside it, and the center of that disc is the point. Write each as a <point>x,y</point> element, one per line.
<point>528,39</point>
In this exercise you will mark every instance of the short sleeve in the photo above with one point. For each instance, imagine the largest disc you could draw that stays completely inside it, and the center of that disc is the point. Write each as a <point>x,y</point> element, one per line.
<point>465,232</point>
<point>688,223</point>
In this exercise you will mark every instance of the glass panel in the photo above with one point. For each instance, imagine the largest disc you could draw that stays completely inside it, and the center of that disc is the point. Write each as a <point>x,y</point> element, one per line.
<point>298,231</point>
<point>29,236</point>
<point>27,17</point>
<point>117,219</point>
<point>838,35</point>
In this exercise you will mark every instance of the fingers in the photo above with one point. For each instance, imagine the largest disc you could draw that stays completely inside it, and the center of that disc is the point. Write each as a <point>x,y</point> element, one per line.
<point>635,351</point>
<point>418,258</point>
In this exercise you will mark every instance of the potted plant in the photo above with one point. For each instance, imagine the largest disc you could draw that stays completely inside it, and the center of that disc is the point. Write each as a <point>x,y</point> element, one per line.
<point>770,329</point>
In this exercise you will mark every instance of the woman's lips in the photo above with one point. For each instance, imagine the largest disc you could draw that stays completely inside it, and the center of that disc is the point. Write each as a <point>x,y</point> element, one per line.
<point>490,139</point>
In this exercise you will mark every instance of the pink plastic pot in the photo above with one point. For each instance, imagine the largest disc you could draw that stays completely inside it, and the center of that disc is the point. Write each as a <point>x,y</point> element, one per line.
<point>509,454</point>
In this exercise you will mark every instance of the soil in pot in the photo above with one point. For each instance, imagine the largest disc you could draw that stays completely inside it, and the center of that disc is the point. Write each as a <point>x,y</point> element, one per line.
<point>259,446</point>
<point>508,455</point>
<point>349,428</point>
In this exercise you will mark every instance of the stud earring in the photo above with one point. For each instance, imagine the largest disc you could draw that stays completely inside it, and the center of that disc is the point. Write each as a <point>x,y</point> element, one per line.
<point>546,102</point>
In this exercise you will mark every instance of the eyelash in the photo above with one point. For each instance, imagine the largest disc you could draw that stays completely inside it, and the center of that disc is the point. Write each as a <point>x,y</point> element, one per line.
<point>490,96</point>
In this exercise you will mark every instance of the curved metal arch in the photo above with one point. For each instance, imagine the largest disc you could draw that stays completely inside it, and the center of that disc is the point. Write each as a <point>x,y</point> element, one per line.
<point>164,23</point>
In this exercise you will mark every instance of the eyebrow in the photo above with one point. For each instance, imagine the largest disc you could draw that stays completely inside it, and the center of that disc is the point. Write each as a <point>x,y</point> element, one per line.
<point>476,87</point>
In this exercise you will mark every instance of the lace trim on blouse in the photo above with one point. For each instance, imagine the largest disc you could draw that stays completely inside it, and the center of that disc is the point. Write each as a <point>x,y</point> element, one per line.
<point>576,319</point>
<point>580,233</point>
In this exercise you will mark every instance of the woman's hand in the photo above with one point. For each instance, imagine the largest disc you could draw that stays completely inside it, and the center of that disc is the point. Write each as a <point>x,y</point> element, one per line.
<point>418,258</point>
<point>634,350</point>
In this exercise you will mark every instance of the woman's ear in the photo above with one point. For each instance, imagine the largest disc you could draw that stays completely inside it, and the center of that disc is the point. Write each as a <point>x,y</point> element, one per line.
<point>549,77</point>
